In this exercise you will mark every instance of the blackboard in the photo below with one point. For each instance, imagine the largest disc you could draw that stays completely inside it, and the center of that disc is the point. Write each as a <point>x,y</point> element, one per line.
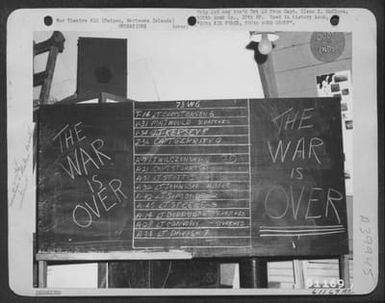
<point>84,181</point>
<point>210,177</point>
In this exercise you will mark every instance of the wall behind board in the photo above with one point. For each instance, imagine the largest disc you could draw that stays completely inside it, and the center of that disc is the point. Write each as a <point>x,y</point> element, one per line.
<point>165,65</point>
<point>296,68</point>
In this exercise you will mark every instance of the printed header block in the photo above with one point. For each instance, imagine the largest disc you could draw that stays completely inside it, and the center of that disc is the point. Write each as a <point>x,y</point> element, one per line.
<point>211,177</point>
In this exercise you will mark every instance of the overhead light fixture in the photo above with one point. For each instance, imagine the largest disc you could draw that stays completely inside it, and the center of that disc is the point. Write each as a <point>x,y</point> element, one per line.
<point>264,41</point>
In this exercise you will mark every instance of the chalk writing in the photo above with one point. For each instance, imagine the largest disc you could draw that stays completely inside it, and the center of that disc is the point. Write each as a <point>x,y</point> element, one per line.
<point>171,132</point>
<point>211,177</point>
<point>292,119</point>
<point>187,104</point>
<point>81,158</point>
<point>66,136</point>
<point>295,145</point>
<point>185,194</point>
<point>305,230</point>
<point>149,114</point>
<point>302,150</point>
<point>100,195</point>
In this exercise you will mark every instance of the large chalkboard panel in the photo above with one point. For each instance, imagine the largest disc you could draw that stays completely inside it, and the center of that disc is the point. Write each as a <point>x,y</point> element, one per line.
<point>84,178</point>
<point>192,178</point>
<point>211,177</point>
<point>298,188</point>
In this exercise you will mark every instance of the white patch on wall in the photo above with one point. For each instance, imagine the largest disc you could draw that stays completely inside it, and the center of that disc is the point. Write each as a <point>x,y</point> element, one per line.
<point>62,276</point>
<point>339,84</point>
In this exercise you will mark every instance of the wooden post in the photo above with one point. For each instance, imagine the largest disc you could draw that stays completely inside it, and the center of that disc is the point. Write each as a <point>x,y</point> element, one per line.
<point>53,46</point>
<point>102,274</point>
<point>343,262</point>
<point>35,263</point>
<point>42,273</point>
<point>299,276</point>
<point>266,71</point>
<point>253,273</point>
<point>149,274</point>
<point>39,268</point>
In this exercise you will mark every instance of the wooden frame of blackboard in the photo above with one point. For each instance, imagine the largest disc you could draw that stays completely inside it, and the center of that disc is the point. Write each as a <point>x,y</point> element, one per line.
<point>102,97</point>
<point>174,252</point>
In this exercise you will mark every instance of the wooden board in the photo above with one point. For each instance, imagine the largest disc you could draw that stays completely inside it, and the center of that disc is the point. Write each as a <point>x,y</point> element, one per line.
<point>210,177</point>
<point>84,177</point>
<point>102,66</point>
<point>297,177</point>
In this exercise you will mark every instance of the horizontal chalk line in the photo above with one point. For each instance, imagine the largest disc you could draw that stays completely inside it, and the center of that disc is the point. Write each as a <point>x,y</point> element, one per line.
<point>190,209</point>
<point>180,118</point>
<point>299,230</point>
<point>300,226</point>
<point>200,227</point>
<point>195,136</point>
<point>147,145</point>
<point>208,154</point>
<point>190,218</point>
<point>193,201</point>
<point>200,200</point>
<point>187,246</point>
<point>191,182</point>
<point>191,108</point>
<point>196,172</point>
<point>301,234</point>
<point>217,246</point>
<point>192,190</point>
<point>208,237</point>
<point>191,126</point>
<point>194,163</point>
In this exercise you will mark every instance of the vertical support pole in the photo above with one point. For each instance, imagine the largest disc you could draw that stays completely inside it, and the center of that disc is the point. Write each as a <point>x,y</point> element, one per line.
<point>35,263</point>
<point>299,276</point>
<point>266,71</point>
<point>35,274</point>
<point>42,273</point>
<point>102,274</point>
<point>53,46</point>
<point>218,282</point>
<point>343,262</point>
<point>253,273</point>
<point>102,97</point>
<point>149,274</point>
<point>50,68</point>
<point>267,75</point>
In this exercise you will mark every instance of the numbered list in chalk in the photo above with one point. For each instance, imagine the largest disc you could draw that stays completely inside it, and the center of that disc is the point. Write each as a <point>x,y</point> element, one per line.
<point>192,174</point>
